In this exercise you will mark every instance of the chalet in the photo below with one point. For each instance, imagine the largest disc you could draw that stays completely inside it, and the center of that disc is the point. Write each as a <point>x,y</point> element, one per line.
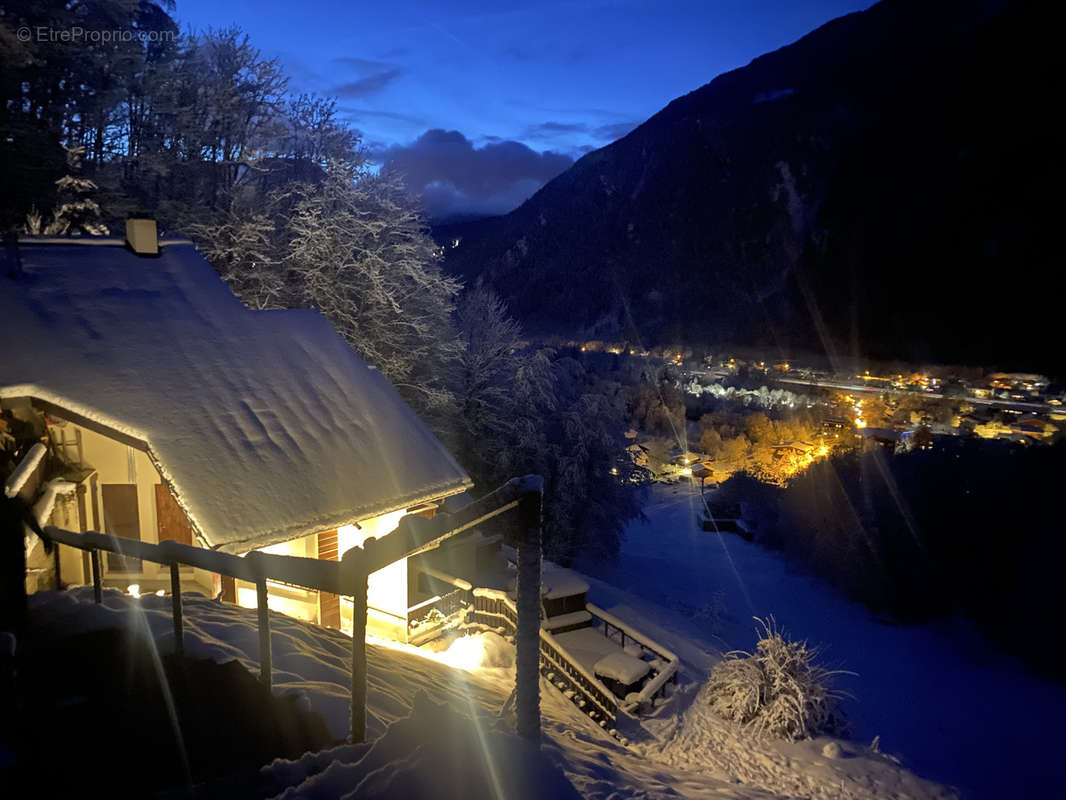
<point>704,470</point>
<point>685,458</point>
<point>172,411</point>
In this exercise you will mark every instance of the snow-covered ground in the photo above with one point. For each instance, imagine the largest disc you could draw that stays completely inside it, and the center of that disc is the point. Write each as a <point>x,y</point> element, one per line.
<point>939,697</point>
<point>681,751</point>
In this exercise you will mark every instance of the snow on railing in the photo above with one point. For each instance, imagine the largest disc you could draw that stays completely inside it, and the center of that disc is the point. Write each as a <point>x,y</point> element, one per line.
<point>645,641</point>
<point>495,594</point>
<point>43,507</point>
<point>459,583</point>
<point>25,470</point>
<point>46,502</point>
<point>591,686</point>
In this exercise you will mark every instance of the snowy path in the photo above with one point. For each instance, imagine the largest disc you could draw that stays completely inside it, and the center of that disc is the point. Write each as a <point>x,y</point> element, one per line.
<point>937,697</point>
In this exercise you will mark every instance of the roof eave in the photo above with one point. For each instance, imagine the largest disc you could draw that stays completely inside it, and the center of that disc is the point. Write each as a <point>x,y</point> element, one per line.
<point>269,538</point>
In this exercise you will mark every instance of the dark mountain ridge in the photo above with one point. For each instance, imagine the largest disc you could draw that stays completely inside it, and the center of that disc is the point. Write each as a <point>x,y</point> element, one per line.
<point>886,187</point>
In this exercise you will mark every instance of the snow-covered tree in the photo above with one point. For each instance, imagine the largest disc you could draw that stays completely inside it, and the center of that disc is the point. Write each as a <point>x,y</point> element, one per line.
<point>76,211</point>
<point>358,252</point>
<point>242,245</point>
<point>525,410</point>
<point>486,401</point>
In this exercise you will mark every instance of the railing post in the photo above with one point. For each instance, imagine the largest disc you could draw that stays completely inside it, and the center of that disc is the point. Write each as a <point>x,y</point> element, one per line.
<point>263,614</point>
<point>55,559</point>
<point>527,635</point>
<point>175,598</point>
<point>98,586</point>
<point>263,611</point>
<point>355,576</point>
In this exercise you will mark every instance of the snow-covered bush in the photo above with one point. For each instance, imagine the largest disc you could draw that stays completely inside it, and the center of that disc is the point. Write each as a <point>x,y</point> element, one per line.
<point>779,689</point>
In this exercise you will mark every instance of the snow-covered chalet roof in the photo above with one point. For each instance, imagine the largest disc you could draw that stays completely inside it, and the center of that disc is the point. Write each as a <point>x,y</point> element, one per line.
<point>266,424</point>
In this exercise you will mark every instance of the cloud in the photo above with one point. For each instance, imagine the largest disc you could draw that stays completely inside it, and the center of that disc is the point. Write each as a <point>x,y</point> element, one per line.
<point>357,114</point>
<point>554,130</point>
<point>442,201</point>
<point>614,130</point>
<point>452,176</point>
<point>370,76</point>
<point>371,84</point>
<point>362,65</point>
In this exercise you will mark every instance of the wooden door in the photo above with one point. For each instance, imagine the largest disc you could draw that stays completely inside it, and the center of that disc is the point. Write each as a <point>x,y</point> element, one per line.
<point>329,605</point>
<point>229,589</point>
<point>121,518</point>
<point>171,521</point>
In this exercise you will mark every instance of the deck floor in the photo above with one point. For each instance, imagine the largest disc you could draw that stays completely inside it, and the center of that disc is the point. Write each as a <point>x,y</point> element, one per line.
<point>587,646</point>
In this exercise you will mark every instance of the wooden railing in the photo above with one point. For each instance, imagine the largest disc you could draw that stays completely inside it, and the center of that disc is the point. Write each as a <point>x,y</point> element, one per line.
<point>494,608</point>
<point>662,674</point>
<point>596,700</point>
<point>423,624</point>
<point>347,578</point>
<point>256,568</point>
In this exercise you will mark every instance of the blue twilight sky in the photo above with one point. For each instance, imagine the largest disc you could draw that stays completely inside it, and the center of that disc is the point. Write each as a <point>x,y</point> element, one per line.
<point>481,103</point>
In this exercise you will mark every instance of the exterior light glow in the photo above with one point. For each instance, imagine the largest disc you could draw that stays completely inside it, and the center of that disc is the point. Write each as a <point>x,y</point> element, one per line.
<point>134,590</point>
<point>466,653</point>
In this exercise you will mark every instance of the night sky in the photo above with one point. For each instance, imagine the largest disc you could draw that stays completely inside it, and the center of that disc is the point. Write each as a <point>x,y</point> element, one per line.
<point>482,106</point>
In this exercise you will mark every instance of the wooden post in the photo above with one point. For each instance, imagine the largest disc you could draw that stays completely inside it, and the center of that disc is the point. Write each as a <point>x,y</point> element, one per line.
<point>527,637</point>
<point>175,599</point>
<point>357,578</point>
<point>263,610</point>
<point>55,559</point>
<point>98,587</point>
